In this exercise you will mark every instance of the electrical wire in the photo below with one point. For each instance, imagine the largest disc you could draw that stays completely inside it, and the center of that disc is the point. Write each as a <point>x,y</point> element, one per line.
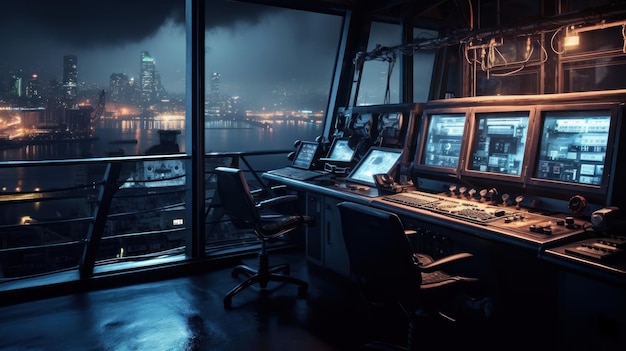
<point>552,41</point>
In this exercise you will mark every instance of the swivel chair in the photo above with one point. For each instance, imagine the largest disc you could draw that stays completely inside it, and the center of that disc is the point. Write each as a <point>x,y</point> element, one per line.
<point>388,272</point>
<point>244,211</point>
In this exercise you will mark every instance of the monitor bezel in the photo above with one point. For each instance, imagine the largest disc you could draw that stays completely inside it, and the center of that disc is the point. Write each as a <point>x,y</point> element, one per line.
<point>474,114</point>
<point>298,153</point>
<point>598,193</point>
<point>333,146</point>
<point>418,166</point>
<point>359,166</point>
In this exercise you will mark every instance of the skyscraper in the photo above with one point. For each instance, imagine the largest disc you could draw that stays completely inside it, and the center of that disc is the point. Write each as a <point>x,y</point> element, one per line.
<point>214,103</point>
<point>215,86</point>
<point>119,88</point>
<point>70,77</point>
<point>147,78</point>
<point>33,88</point>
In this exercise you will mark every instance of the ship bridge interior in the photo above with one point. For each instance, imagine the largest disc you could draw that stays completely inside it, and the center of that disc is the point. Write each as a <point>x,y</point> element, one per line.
<point>489,134</point>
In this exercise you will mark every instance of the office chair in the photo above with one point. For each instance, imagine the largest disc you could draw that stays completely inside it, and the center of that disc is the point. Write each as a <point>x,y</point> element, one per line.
<point>388,272</point>
<point>244,211</point>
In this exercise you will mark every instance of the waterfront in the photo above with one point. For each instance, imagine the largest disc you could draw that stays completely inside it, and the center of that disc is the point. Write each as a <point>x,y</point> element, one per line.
<point>221,136</point>
<point>144,218</point>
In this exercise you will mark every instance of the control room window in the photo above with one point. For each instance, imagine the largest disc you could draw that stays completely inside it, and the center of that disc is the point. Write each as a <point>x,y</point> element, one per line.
<point>380,81</point>
<point>268,73</point>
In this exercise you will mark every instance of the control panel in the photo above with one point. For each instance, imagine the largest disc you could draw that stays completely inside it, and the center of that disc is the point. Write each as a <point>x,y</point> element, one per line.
<point>604,249</point>
<point>501,218</point>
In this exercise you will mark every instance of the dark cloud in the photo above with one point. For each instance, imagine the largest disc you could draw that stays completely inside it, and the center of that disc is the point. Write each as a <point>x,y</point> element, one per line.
<point>89,23</point>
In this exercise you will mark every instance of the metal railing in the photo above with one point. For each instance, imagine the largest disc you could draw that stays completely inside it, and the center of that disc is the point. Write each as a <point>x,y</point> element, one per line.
<point>100,211</point>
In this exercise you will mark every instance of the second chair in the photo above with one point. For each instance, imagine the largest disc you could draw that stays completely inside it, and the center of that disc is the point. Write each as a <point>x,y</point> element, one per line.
<point>244,211</point>
<point>388,272</point>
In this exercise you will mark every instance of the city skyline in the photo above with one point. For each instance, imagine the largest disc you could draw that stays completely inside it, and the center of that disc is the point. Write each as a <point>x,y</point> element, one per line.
<point>236,36</point>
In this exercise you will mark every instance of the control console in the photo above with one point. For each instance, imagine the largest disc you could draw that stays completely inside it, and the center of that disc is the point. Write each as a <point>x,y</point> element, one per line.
<point>499,218</point>
<point>605,249</point>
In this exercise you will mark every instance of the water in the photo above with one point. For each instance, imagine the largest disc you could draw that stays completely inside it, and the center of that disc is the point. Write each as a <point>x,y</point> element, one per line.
<point>220,136</point>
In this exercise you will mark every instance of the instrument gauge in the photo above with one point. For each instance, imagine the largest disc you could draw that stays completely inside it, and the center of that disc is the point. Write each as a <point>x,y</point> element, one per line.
<point>577,204</point>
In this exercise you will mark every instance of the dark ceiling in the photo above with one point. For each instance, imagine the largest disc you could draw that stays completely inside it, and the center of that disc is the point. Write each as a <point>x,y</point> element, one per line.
<point>466,15</point>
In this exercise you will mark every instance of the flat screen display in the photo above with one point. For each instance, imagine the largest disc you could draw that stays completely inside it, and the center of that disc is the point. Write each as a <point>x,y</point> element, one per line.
<point>498,142</point>
<point>377,160</point>
<point>306,154</point>
<point>443,140</point>
<point>340,151</point>
<point>573,146</point>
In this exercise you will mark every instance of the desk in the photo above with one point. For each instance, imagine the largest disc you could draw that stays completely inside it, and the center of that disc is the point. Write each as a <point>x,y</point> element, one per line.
<point>525,271</point>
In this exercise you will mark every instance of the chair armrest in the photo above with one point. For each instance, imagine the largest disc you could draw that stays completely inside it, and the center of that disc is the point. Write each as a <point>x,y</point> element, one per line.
<point>276,201</point>
<point>444,261</point>
<point>264,193</point>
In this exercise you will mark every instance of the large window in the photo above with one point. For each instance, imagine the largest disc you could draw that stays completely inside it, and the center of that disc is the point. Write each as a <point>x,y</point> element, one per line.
<point>380,81</point>
<point>73,90</point>
<point>268,76</point>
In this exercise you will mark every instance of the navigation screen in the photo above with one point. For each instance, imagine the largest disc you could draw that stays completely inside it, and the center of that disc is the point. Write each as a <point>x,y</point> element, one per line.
<point>573,146</point>
<point>306,155</point>
<point>498,142</point>
<point>443,140</point>
<point>376,161</point>
<point>340,151</point>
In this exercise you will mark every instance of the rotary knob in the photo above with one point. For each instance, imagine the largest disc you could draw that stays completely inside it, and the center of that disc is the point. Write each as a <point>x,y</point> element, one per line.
<point>452,189</point>
<point>462,191</point>
<point>505,199</point>
<point>482,194</point>
<point>471,193</point>
<point>577,204</point>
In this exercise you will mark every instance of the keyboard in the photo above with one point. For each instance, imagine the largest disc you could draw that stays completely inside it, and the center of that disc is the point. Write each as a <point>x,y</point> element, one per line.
<point>297,173</point>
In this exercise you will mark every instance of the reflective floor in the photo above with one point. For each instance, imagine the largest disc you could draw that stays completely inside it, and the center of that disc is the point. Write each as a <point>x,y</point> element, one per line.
<point>187,313</point>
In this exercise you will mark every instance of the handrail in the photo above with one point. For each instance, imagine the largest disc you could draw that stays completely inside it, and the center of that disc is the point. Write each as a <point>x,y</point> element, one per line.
<point>99,201</point>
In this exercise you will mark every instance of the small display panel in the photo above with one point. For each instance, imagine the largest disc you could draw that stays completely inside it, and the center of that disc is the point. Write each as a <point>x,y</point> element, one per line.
<point>306,154</point>
<point>377,160</point>
<point>340,151</point>
<point>573,146</point>
<point>443,139</point>
<point>498,142</point>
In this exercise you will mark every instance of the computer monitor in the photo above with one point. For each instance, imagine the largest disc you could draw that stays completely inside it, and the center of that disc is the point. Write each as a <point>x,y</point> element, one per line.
<point>574,148</point>
<point>339,152</point>
<point>307,150</point>
<point>498,143</point>
<point>377,160</point>
<point>441,141</point>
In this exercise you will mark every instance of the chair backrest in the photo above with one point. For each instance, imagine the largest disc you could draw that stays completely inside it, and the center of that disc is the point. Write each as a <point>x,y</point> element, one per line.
<point>235,197</point>
<point>379,252</point>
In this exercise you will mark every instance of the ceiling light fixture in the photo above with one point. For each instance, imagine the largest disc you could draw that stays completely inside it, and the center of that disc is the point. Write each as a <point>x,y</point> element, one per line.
<point>571,33</point>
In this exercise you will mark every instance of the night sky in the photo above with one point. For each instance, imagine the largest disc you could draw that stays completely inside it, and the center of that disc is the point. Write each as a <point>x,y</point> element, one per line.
<point>108,37</point>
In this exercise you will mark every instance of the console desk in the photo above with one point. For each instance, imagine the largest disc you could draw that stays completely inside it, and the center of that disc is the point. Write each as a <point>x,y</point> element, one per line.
<point>524,258</point>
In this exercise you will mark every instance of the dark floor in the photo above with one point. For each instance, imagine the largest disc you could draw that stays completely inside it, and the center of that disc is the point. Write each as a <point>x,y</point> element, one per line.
<point>187,313</point>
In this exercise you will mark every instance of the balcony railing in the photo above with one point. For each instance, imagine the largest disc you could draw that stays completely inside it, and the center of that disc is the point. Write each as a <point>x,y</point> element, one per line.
<point>84,217</point>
